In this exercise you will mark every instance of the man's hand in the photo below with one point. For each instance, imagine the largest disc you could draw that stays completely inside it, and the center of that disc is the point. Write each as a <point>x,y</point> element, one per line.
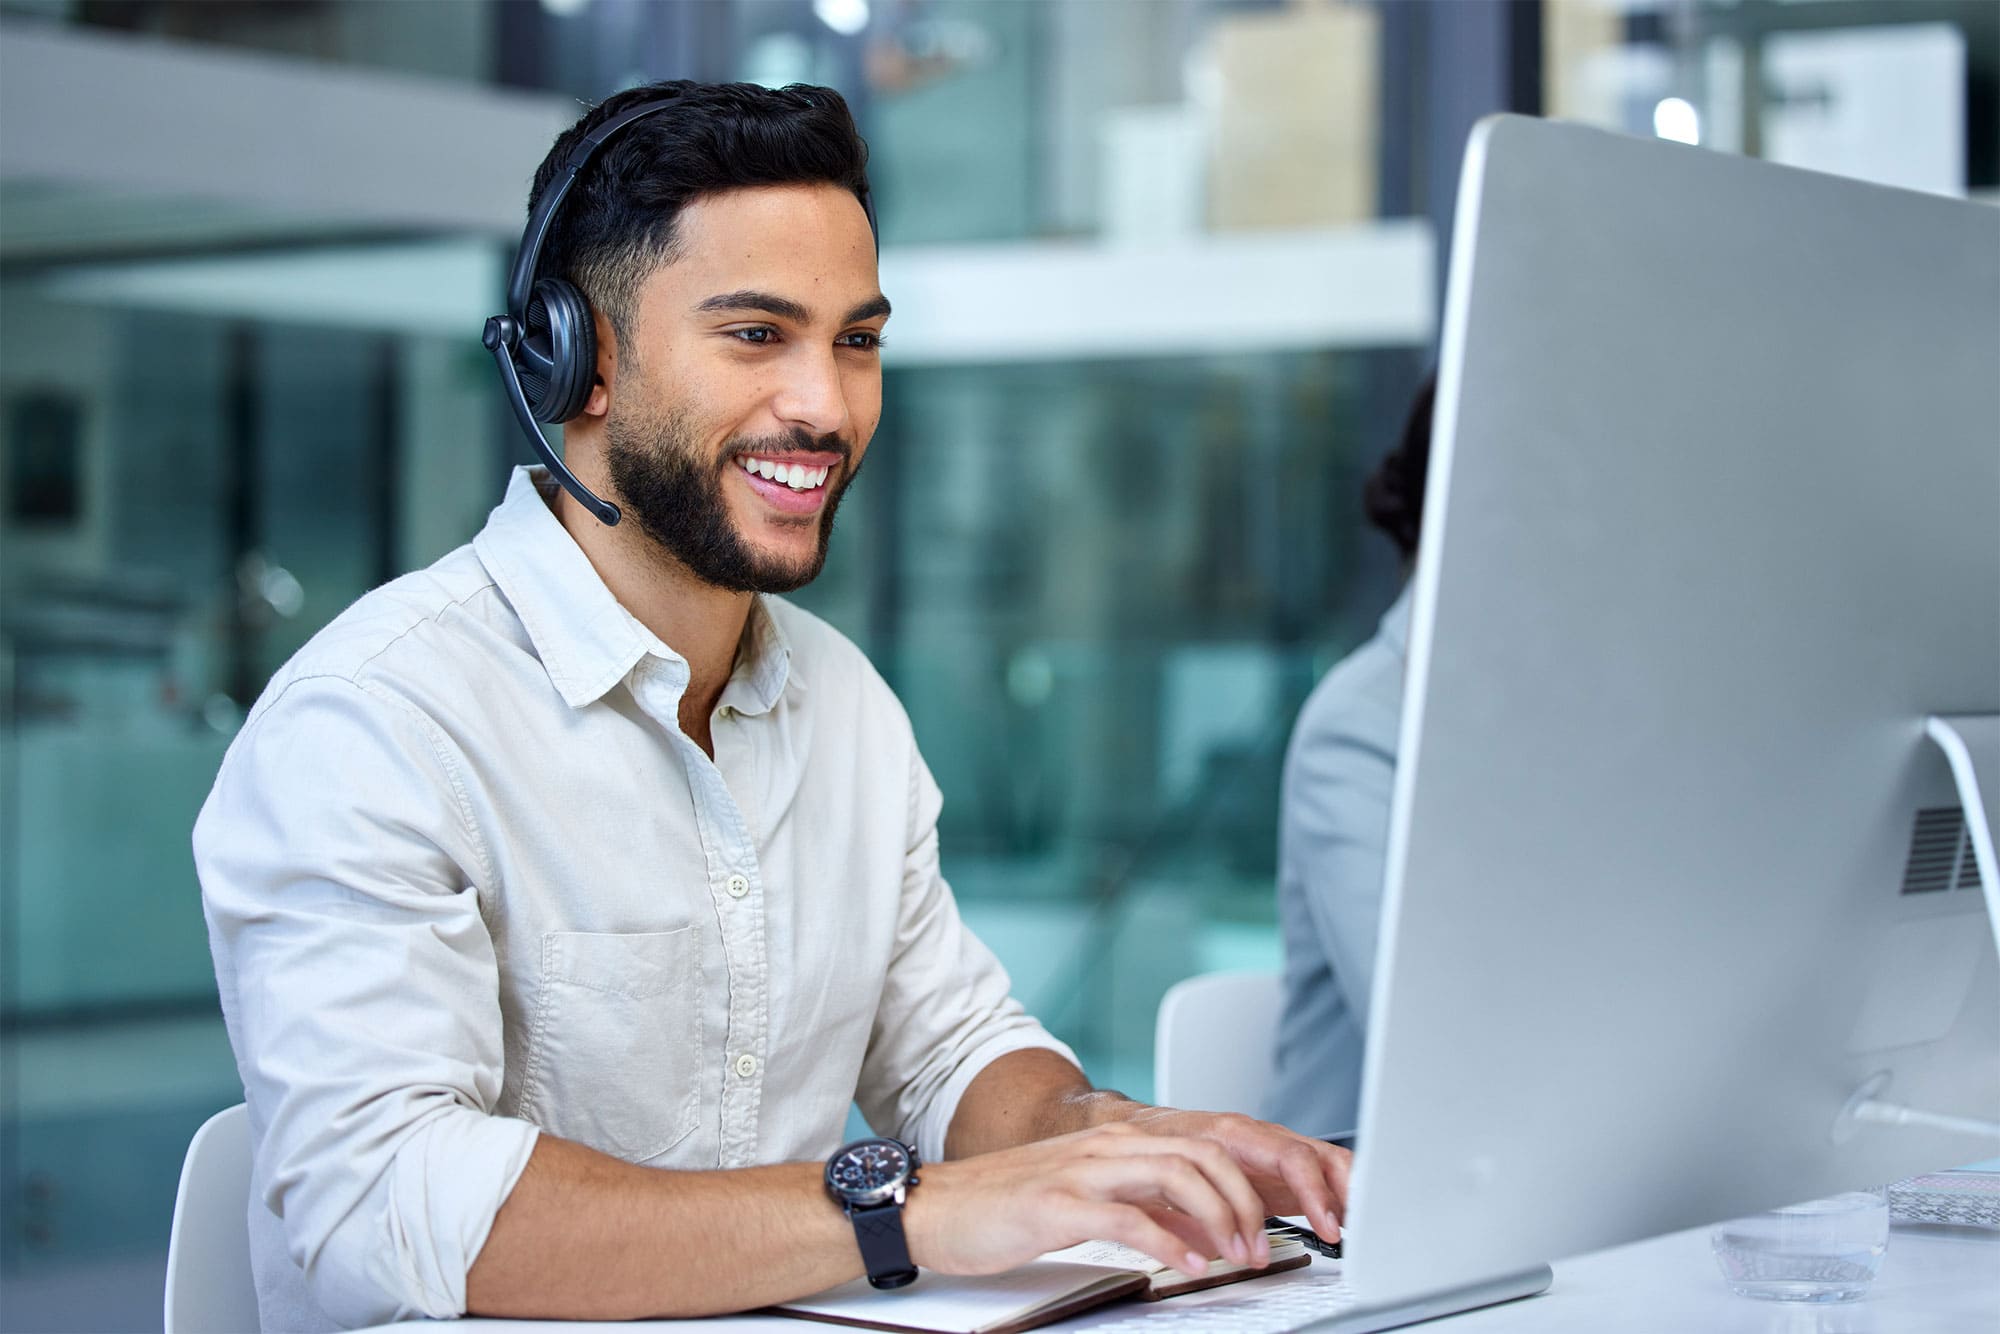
<point>1180,1200</point>
<point>1041,1160</point>
<point>1291,1173</point>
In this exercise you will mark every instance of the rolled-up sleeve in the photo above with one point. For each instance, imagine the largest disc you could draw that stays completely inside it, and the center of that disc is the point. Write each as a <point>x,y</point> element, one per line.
<point>947,1011</point>
<point>340,877</point>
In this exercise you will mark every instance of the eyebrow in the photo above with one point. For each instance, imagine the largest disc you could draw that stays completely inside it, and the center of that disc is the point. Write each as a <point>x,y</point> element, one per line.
<point>868,310</point>
<point>785,308</point>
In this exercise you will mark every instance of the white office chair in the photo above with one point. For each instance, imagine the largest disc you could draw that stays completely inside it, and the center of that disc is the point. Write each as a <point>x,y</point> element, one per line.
<point>1212,1044</point>
<point>209,1286</point>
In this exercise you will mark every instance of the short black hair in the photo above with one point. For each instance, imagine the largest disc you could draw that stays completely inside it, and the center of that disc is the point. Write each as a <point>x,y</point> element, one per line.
<point>1394,494</point>
<point>617,224</point>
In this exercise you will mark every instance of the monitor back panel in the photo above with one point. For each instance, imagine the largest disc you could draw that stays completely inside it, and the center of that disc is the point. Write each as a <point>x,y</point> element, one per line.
<point>1713,524</point>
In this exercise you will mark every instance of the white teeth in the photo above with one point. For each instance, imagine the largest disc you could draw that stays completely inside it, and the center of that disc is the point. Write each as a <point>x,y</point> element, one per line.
<point>797,476</point>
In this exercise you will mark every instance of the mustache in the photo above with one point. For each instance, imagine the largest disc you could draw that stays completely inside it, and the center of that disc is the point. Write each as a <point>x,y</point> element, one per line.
<point>798,441</point>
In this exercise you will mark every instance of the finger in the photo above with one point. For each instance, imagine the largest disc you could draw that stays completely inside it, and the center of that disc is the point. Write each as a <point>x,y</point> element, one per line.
<point>1244,1239</point>
<point>1318,1185</point>
<point>1245,1202</point>
<point>1298,1175</point>
<point>1337,1169</point>
<point>1169,1179</point>
<point>1134,1227</point>
<point>1230,1148</point>
<point>1193,1236</point>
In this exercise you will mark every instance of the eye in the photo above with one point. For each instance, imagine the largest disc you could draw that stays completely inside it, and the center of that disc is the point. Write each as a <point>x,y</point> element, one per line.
<point>757,334</point>
<point>866,340</point>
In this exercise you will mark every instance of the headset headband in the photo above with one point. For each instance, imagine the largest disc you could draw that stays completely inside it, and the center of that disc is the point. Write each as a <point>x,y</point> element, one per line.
<point>522,280</point>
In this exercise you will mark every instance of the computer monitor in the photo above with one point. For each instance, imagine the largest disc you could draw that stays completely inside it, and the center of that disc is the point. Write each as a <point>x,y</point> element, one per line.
<point>1713,526</point>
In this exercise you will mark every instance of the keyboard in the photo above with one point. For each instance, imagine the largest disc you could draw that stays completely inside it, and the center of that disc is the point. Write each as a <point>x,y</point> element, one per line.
<point>1246,1308</point>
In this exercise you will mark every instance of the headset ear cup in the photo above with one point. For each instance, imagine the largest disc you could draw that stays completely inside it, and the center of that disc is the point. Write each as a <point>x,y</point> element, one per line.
<point>557,357</point>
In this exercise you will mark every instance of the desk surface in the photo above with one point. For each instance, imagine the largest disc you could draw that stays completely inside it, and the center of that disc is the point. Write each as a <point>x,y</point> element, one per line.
<point>1933,1281</point>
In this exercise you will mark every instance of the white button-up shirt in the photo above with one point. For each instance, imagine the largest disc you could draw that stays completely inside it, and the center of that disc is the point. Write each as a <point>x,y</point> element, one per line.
<point>467,880</point>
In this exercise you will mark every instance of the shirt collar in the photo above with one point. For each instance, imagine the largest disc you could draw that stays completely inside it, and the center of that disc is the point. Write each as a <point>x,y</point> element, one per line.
<point>1395,626</point>
<point>586,639</point>
<point>763,663</point>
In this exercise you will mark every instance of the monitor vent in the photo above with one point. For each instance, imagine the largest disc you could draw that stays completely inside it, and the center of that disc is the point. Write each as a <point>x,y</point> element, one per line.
<point>1937,842</point>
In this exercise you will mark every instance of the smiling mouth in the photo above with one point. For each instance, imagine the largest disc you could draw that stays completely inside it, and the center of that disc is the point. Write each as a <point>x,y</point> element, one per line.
<point>794,475</point>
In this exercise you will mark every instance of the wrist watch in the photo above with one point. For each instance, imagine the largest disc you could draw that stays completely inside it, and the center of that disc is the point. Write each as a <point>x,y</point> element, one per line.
<point>870,1179</point>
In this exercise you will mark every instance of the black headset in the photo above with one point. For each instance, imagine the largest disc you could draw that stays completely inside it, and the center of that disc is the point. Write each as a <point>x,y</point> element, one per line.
<point>546,343</point>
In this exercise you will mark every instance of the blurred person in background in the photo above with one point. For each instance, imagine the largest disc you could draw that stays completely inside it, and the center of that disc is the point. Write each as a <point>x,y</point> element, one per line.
<point>563,895</point>
<point>1333,830</point>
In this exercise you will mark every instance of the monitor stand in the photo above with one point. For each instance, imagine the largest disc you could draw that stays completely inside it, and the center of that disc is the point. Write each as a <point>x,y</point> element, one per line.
<point>1971,745</point>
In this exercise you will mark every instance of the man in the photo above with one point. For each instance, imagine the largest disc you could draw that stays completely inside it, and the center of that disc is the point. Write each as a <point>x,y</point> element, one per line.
<point>564,894</point>
<point>1333,831</point>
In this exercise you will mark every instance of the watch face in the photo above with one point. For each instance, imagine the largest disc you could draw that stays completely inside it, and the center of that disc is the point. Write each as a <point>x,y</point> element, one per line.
<point>868,1171</point>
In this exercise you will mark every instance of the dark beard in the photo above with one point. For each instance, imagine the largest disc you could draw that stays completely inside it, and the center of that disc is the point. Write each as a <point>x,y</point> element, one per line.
<point>676,498</point>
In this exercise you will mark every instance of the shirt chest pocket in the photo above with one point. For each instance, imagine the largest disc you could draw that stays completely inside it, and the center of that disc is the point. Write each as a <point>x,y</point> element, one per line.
<point>614,1055</point>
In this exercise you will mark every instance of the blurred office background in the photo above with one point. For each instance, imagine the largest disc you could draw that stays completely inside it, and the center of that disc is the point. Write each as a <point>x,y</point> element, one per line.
<point>1166,272</point>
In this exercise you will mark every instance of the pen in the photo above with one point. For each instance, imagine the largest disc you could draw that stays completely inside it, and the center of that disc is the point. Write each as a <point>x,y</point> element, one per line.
<point>1313,1241</point>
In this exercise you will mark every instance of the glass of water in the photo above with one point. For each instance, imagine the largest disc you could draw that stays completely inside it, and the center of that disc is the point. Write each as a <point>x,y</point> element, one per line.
<point>1820,1251</point>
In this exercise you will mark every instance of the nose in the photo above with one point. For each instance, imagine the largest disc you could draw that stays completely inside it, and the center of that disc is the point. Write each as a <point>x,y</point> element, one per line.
<point>813,396</point>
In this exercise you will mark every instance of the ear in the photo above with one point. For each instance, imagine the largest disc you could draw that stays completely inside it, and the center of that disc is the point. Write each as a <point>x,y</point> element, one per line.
<point>599,401</point>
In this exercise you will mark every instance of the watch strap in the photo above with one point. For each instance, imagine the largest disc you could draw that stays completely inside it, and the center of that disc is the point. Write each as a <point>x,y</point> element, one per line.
<point>884,1251</point>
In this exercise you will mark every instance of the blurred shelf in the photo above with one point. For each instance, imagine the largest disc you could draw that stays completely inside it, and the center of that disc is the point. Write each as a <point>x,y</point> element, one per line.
<point>179,144</point>
<point>441,288</point>
<point>253,225</point>
<point>1363,286</point>
<point>1369,285</point>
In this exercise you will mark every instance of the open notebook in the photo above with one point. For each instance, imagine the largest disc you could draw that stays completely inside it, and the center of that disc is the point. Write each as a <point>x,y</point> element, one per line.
<point>1058,1284</point>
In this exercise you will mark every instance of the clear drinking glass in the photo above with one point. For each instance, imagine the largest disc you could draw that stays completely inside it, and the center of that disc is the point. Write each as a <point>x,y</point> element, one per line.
<point>1821,1251</point>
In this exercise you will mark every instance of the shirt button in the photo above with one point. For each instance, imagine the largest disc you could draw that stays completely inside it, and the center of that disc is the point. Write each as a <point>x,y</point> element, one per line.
<point>737,886</point>
<point>746,1065</point>
<point>726,712</point>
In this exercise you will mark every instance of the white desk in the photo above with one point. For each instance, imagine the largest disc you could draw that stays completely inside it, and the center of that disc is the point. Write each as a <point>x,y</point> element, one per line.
<point>1933,1281</point>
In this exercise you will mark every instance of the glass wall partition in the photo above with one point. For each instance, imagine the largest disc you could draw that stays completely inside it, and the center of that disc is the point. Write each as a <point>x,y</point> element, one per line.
<point>1101,555</point>
<point>1902,92</point>
<point>1113,583</point>
<point>186,497</point>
